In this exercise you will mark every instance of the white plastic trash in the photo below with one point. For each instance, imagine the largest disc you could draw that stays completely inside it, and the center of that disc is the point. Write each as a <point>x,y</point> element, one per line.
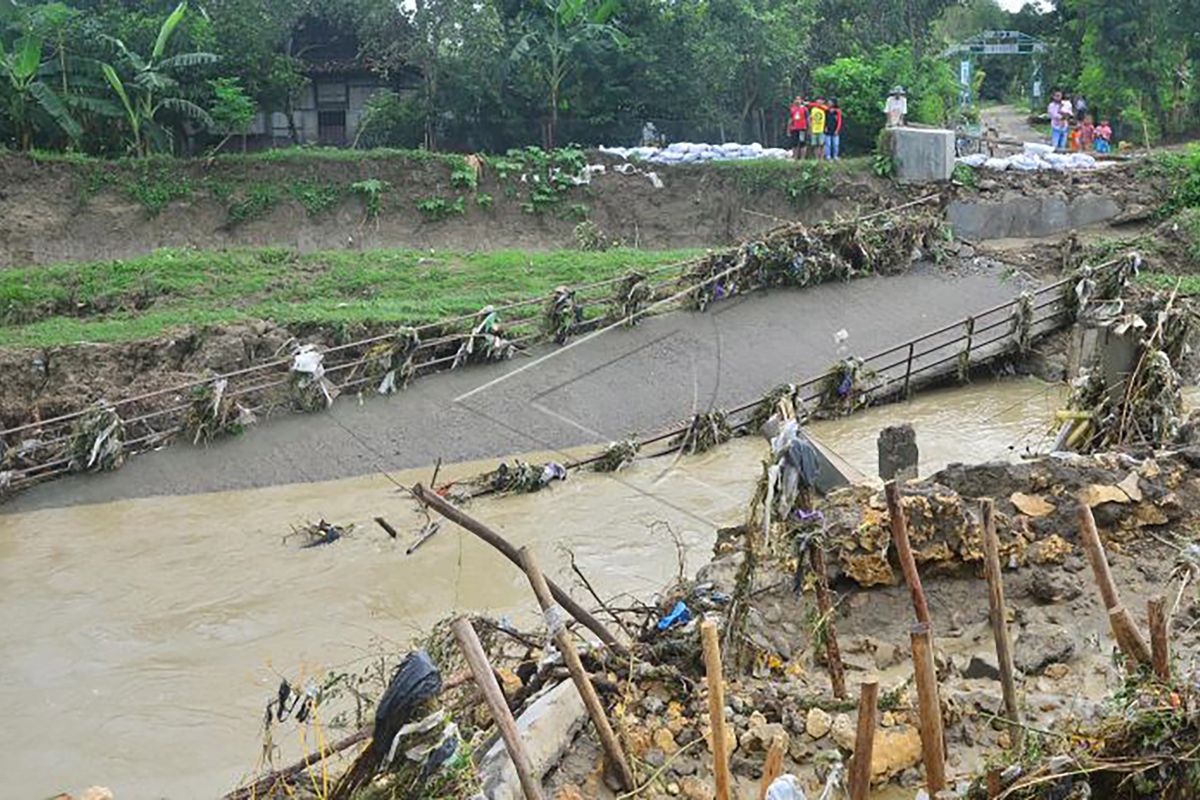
<point>785,787</point>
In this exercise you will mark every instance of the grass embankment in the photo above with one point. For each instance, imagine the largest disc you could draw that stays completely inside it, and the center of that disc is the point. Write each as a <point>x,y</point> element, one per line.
<point>144,297</point>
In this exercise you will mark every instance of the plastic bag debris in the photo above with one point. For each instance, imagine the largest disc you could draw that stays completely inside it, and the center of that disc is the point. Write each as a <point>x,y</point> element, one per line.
<point>680,615</point>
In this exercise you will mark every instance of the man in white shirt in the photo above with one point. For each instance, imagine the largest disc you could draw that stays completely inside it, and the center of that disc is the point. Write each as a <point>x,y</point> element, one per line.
<point>896,108</point>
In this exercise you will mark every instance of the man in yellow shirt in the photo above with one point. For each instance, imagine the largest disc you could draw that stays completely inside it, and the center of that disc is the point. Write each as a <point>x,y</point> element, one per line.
<point>816,128</point>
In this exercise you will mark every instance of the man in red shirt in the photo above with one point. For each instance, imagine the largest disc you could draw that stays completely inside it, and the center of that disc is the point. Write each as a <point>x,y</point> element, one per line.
<point>798,127</point>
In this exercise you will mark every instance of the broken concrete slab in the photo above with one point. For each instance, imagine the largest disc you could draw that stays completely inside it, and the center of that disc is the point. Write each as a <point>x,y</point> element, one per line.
<point>547,728</point>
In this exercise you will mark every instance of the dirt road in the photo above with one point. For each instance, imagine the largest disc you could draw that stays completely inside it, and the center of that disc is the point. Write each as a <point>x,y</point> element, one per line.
<point>628,381</point>
<point>1011,122</point>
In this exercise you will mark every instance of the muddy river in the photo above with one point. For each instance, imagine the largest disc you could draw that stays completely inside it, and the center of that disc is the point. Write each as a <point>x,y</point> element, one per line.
<point>142,638</point>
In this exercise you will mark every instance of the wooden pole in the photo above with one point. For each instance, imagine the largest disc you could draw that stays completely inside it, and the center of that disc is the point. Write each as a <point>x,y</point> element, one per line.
<point>485,679</point>
<point>995,581</point>
<point>432,500</point>
<point>833,654</point>
<point>773,766</point>
<point>1160,654</point>
<point>993,784</point>
<point>1124,629</point>
<point>908,564</point>
<point>864,741</point>
<point>929,709</point>
<point>566,646</point>
<point>716,706</point>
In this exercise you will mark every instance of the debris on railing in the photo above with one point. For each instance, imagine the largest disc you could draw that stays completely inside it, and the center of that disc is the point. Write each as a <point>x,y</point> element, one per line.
<point>97,440</point>
<point>390,362</point>
<point>704,431</point>
<point>617,456</point>
<point>485,342</point>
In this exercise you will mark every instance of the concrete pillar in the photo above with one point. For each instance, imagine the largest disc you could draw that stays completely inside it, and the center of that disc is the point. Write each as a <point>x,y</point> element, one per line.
<point>922,155</point>
<point>898,453</point>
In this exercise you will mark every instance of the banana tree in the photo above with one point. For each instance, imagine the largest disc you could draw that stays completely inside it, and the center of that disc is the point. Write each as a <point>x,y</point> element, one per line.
<point>557,37</point>
<point>27,93</point>
<point>151,86</point>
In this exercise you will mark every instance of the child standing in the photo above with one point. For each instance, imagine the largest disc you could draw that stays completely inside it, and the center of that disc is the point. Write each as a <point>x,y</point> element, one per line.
<point>1104,137</point>
<point>1087,134</point>
<point>816,129</point>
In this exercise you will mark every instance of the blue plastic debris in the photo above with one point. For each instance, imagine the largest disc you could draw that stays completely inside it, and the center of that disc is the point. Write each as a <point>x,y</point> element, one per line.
<point>680,615</point>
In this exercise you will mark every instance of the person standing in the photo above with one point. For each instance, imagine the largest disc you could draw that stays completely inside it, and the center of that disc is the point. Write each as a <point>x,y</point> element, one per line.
<point>1060,115</point>
<point>816,129</point>
<point>1087,133</point>
<point>1104,137</point>
<point>798,127</point>
<point>833,132</point>
<point>896,107</point>
<point>1079,108</point>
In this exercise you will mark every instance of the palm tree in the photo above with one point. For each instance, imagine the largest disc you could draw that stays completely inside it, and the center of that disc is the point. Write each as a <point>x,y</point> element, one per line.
<point>556,38</point>
<point>27,92</point>
<point>142,95</point>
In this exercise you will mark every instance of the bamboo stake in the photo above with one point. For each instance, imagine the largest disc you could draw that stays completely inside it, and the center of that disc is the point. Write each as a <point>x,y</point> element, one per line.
<point>1160,654</point>
<point>864,741</point>
<point>773,766</point>
<point>716,706</point>
<point>929,709</point>
<point>1125,631</point>
<point>993,784</point>
<point>497,541</point>
<point>833,654</point>
<point>1000,632</point>
<point>908,564</point>
<point>485,679</point>
<point>566,646</point>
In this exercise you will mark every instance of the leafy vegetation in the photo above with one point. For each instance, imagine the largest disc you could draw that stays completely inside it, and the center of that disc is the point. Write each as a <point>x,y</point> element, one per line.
<point>439,208</point>
<point>315,196</point>
<point>151,75</point>
<point>136,298</point>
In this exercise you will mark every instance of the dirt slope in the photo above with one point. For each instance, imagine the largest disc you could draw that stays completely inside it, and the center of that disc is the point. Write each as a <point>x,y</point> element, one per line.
<point>67,211</point>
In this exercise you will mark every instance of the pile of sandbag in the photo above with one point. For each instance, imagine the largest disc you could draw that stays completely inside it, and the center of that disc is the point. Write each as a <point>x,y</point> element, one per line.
<point>1034,157</point>
<point>690,153</point>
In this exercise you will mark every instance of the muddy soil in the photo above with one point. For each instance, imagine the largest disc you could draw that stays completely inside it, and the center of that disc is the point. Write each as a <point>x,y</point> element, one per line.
<point>52,212</point>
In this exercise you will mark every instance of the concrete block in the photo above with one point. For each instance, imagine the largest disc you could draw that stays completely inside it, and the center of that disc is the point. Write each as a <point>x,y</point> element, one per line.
<point>922,155</point>
<point>547,728</point>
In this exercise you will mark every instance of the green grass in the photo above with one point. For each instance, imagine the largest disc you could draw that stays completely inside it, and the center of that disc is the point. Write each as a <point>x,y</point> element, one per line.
<point>1189,285</point>
<point>140,298</point>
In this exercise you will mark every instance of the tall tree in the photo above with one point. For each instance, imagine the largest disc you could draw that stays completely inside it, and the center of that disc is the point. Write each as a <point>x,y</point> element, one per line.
<point>554,38</point>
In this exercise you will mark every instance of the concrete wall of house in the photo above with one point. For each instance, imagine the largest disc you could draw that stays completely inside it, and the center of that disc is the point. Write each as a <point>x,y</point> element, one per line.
<point>346,96</point>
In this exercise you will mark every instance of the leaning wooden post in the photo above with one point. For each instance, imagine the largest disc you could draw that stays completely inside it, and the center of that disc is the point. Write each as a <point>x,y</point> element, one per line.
<point>585,617</point>
<point>556,623</point>
<point>908,564</point>
<point>929,709</point>
<point>1160,654</point>
<point>995,581</point>
<point>864,741</point>
<point>485,679</point>
<point>773,766</point>
<point>833,654</point>
<point>716,705</point>
<point>1125,631</point>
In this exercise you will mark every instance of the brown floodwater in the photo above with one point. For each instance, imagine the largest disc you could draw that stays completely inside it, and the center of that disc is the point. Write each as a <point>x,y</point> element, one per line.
<point>143,638</point>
